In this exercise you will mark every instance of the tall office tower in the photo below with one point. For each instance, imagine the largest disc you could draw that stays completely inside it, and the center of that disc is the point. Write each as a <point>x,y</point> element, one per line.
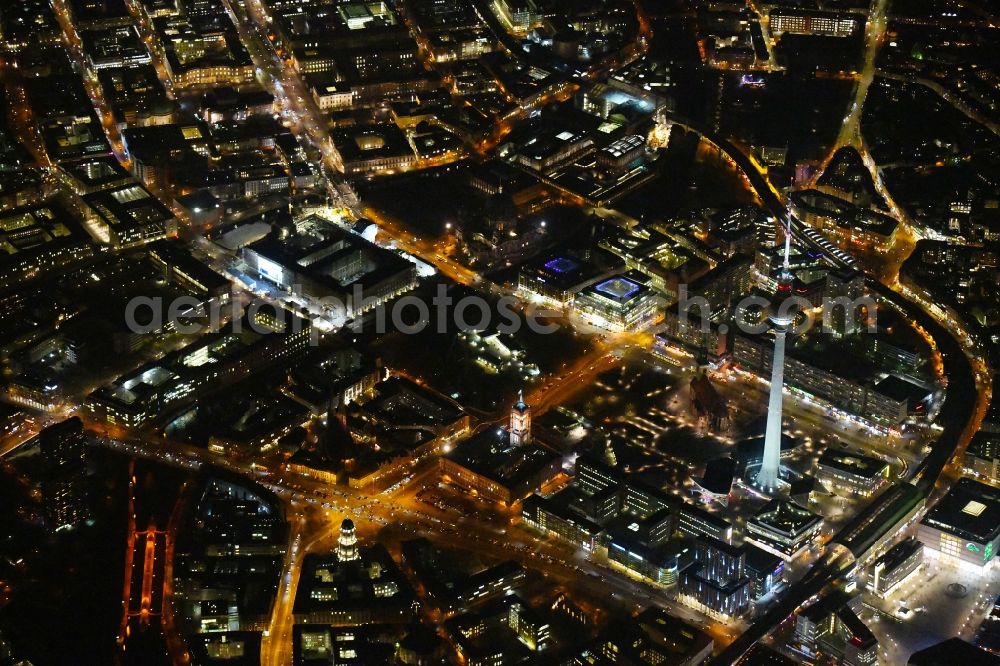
<point>520,421</point>
<point>64,486</point>
<point>781,323</point>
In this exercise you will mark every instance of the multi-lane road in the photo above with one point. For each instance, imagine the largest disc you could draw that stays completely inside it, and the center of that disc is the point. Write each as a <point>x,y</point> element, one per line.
<point>318,509</point>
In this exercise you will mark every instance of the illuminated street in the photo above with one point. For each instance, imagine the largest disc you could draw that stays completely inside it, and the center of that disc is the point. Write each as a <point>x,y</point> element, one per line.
<point>729,400</point>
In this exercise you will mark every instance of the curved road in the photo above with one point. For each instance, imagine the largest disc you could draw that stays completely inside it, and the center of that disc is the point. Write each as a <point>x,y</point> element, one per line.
<point>958,415</point>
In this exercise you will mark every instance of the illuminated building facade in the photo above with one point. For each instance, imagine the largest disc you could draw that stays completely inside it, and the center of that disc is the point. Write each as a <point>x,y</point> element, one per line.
<point>491,466</point>
<point>489,635</point>
<point>64,485</point>
<point>890,570</point>
<point>831,629</point>
<point>555,279</point>
<point>851,474</point>
<point>982,457</point>
<point>130,215</point>
<point>320,261</point>
<point>783,528</point>
<point>621,156</point>
<point>560,519</point>
<point>618,303</point>
<point>716,583</point>
<point>693,520</point>
<point>367,589</point>
<point>531,629</point>
<point>856,398</point>
<point>764,570</point>
<point>963,528</point>
<point>520,421</point>
<point>517,15</point>
<point>850,226</point>
<point>208,363</point>
<point>699,337</point>
<point>801,22</point>
<point>374,149</point>
<point>347,542</point>
<point>332,96</point>
<point>203,52</point>
<point>652,637</point>
<point>546,152</point>
<point>35,240</point>
<point>659,565</point>
<point>180,267</point>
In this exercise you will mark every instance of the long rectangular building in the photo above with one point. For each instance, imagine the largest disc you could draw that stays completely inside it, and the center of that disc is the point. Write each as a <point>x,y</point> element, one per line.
<point>895,566</point>
<point>804,22</point>
<point>210,362</point>
<point>323,262</point>
<point>982,457</point>
<point>755,353</point>
<point>851,474</point>
<point>557,516</point>
<point>35,240</point>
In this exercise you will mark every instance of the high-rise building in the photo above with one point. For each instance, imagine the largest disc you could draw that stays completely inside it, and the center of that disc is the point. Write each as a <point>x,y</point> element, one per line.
<point>764,570</point>
<point>781,320</point>
<point>347,543</point>
<point>716,582</point>
<point>64,486</point>
<point>520,421</point>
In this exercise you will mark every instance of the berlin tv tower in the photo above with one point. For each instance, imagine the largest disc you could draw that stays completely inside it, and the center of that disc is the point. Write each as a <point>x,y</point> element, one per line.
<point>781,322</point>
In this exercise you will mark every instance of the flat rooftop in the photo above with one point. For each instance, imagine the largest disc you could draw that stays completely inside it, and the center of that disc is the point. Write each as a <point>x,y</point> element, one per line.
<point>30,228</point>
<point>851,463</point>
<point>489,454</point>
<point>329,585</point>
<point>786,517</point>
<point>985,445</point>
<point>619,289</point>
<point>97,171</point>
<point>898,554</point>
<point>899,388</point>
<point>561,271</point>
<point>953,651</point>
<point>970,510</point>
